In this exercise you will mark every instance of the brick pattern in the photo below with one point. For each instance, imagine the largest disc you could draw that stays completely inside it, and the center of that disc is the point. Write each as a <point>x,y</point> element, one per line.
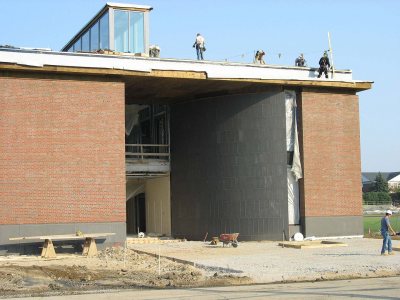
<point>331,154</point>
<point>62,155</point>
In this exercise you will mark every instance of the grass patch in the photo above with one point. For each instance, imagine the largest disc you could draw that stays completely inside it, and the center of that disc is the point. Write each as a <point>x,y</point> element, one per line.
<point>372,226</point>
<point>372,223</point>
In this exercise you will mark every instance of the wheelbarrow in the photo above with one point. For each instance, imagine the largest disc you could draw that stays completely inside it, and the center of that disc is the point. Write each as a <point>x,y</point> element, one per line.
<point>228,239</point>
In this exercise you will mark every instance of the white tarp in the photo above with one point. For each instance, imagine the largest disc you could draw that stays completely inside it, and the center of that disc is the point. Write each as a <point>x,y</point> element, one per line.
<point>131,117</point>
<point>293,199</point>
<point>294,172</point>
<point>292,140</point>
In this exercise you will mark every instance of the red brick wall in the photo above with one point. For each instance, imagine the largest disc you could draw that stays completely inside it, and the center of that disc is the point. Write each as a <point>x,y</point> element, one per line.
<point>331,154</point>
<point>62,155</point>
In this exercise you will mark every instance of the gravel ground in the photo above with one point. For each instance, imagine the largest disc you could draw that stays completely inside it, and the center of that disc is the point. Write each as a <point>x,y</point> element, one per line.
<point>266,262</point>
<point>113,268</point>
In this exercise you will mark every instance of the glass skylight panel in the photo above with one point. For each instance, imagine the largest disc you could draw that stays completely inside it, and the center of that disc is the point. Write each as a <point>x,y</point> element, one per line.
<point>136,32</point>
<point>86,42</point>
<point>121,26</point>
<point>104,32</point>
<point>94,37</point>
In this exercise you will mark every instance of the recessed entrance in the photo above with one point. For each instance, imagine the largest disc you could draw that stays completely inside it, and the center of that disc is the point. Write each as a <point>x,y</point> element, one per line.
<point>136,214</point>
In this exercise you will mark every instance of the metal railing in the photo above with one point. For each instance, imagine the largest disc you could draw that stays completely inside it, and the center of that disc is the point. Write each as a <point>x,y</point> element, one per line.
<point>147,151</point>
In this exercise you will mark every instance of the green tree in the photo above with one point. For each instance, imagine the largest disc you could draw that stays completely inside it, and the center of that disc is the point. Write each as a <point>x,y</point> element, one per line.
<point>377,198</point>
<point>381,184</point>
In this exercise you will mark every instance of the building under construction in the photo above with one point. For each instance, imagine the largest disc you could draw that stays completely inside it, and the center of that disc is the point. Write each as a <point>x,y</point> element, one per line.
<point>102,138</point>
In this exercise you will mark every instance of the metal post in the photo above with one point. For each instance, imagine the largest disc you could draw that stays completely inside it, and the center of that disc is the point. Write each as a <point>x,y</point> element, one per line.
<point>331,53</point>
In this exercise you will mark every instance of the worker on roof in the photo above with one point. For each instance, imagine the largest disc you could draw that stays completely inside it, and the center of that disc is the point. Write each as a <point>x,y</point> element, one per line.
<point>324,65</point>
<point>199,45</point>
<point>300,61</point>
<point>259,57</point>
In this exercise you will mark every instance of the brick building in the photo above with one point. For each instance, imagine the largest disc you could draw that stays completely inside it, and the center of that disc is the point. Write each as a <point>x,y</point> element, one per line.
<point>127,143</point>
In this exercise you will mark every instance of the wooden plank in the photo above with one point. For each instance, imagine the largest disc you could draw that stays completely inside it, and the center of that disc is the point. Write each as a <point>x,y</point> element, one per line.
<point>98,71</point>
<point>358,86</point>
<point>311,244</point>
<point>62,236</point>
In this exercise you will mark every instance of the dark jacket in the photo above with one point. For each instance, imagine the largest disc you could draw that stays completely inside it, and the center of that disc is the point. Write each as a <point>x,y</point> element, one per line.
<point>324,61</point>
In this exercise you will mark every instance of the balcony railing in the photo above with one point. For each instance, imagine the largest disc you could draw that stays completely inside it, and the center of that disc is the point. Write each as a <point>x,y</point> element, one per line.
<point>147,151</point>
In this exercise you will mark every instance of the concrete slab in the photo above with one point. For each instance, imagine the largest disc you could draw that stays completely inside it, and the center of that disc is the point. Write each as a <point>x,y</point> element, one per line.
<point>266,262</point>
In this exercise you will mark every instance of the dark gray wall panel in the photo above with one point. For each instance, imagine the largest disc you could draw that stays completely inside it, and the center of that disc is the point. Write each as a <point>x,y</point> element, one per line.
<point>228,167</point>
<point>32,246</point>
<point>333,226</point>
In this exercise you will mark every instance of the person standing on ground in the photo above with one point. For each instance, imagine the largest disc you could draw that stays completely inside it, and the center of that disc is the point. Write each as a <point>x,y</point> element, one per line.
<point>199,45</point>
<point>386,229</point>
<point>324,65</point>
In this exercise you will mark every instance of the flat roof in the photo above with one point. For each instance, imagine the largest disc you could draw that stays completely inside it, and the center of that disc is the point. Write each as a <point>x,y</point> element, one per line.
<point>180,78</point>
<point>128,6</point>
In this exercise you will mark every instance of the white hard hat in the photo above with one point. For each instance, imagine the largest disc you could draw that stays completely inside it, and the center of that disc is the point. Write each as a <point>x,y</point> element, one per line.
<point>389,212</point>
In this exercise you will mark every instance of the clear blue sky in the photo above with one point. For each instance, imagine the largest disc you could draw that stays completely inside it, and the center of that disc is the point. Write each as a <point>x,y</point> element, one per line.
<point>365,38</point>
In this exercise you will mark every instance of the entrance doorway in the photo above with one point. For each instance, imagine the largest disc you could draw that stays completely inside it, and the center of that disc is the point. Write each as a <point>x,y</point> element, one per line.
<point>136,214</point>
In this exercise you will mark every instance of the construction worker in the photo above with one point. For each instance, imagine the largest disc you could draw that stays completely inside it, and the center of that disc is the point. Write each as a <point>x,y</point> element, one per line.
<point>199,45</point>
<point>154,51</point>
<point>259,57</point>
<point>300,61</point>
<point>386,229</point>
<point>324,65</point>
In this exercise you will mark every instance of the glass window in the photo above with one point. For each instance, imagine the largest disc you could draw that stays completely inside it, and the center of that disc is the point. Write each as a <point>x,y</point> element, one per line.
<point>104,33</point>
<point>86,42</point>
<point>121,24</point>
<point>136,32</point>
<point>94,37</point>
<point>77,46</point>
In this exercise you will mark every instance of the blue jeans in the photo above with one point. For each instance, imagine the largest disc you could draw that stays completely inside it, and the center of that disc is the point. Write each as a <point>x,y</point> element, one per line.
<point>199,51</point>
<point>387,242</point>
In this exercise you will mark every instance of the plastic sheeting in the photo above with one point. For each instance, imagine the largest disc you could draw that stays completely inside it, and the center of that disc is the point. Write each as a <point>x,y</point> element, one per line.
<point>293,199</point>
<point>292,140</point>
<point>294,172</point>
<point>132,117</point>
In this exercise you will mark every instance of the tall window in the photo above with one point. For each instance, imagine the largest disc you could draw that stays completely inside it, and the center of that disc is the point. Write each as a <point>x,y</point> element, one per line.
<point>129,31</point>
<point>94,37</point>
<point>104,33</point>
<point>86,42</point>
<point>121,25</point>
<point>77,46</point>
<point>136,32</point>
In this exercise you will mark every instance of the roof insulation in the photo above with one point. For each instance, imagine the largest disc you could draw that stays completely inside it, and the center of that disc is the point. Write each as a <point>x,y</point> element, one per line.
<point>216,70</point>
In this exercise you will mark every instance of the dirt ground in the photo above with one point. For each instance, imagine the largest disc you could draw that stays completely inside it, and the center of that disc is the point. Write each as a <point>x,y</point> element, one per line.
<point>205,265</point>
<point>113,268</point>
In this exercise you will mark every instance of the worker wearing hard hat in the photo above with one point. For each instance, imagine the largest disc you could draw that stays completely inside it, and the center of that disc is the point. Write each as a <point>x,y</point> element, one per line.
<point>386,229</point>
<point>300,61</point>
<point>324,65</point>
